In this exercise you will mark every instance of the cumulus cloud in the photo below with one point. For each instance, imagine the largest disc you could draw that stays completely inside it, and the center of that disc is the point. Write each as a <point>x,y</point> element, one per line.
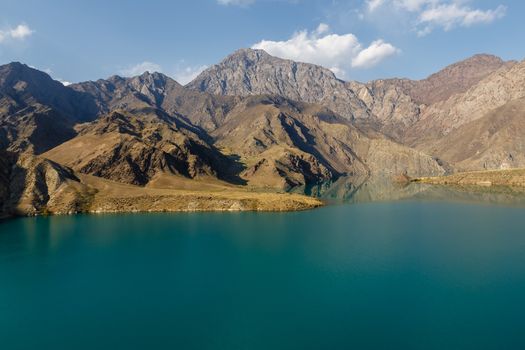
<point>372,5</point>
<point>449,16</point>
<point>184,75</point>
<point>20,32</point>
<point>140,68</point>
<point>446,14</point>
<point>235,2</point>
<point>336,52</point>
<point>372,55</point>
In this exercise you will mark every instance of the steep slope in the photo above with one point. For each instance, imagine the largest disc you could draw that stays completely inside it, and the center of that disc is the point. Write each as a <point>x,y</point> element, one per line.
<point>35,129</point>
<point>134,147</point>
<point>285,144</point>
<point>34,185</point>
<point>495,141</point>
<point>254,72</point>
<point>26,86</point>
<point>393,109</point>
<point>159,91</point>
<point>37,112</point>
<point>391,106</point>
<point>453,79</point>
<point>497,89</point>
<point>6,164</point>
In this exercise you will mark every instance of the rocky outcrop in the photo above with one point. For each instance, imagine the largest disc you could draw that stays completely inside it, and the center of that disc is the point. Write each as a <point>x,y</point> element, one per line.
<point>390,106</point>
<point>37,186</point>
<point>133,148</point>
<point>254,72</point>
<point>302,143</point>
<point>454,79</point>
<point>158,91</point>
<point>497,89</point>
<point>494,141</point>
<point>253,120</point>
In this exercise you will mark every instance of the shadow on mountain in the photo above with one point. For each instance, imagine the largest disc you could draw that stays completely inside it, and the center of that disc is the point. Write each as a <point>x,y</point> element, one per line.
<point>12,180</point>
<point>231,167</point>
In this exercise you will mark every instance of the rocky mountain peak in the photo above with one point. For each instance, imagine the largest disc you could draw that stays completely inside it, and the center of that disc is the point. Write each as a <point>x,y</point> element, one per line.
<point>453,79</point>
<point>20,77</point>
<point>254,72</point>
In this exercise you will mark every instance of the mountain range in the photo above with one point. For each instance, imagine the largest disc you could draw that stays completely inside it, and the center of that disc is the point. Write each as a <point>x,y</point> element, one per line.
<point>252,123</point>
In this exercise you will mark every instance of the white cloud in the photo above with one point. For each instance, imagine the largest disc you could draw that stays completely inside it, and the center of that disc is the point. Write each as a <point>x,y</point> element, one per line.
<point>336,52</point>
<point>140,68</point>
<point>372,55</point>
<point>414,5</point>
<point>449,16</point>
<point>372,5</point>
<point>20,32</point>
<point>187,74</point>
<point>235,2</point>
<point>427,15</point>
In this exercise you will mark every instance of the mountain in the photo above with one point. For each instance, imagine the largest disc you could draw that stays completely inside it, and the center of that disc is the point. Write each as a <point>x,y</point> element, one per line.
<point>254,72</point>
<point>37,112</point>
<point>453,79</point>
<point>159,91</point>
<point>22,86</point>
<point>495,90</point>
<point>32,185</point>
<point>135,147</point>
<point>494,141</point>
<point>251,123</point>
<point>230,124</point>
<point>391,106</point>
<point>300,143</point>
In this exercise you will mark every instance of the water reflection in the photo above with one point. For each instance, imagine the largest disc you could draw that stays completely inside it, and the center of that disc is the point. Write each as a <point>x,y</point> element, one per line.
<point>381,189</point>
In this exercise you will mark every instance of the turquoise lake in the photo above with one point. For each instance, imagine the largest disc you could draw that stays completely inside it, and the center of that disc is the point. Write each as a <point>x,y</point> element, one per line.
<point>419,273</point>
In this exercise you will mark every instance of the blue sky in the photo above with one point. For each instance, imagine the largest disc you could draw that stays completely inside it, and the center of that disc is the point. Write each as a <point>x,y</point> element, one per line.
<point>358,39</point>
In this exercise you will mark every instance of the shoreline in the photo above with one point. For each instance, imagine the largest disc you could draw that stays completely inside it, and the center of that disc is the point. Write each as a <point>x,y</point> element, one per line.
<point>176,201</point>
<point>482,178</point>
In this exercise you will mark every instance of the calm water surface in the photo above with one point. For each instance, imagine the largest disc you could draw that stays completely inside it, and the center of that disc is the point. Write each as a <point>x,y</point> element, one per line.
<point>410,274</point>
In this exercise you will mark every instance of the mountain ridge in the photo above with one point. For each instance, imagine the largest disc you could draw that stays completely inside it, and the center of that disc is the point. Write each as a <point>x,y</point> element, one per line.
<point>255,122</point>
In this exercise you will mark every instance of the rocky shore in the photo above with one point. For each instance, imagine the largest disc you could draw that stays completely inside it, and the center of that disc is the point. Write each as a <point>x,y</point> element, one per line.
<point>510,177</point>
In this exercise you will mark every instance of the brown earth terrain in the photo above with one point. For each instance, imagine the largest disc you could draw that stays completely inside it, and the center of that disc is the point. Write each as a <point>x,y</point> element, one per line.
<point>247,129</point>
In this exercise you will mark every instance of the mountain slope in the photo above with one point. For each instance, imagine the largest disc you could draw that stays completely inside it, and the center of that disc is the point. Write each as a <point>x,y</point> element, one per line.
<point>159,91</point>
<point>254,72</point>
<point>135,147</point>
<point>497,89</point>
<point>305,143</point>
<point>37,112</point>
<point>34,185</point>
<point>391,106</point>
<point>453,79</point>
<point>495,141</point>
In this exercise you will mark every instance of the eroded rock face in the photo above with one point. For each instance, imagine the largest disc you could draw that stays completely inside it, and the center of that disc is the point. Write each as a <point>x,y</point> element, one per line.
<point>156,90</point>
<point>260,120</point>
<point>304,143</point>
<point>133,148</point>
<point>502,86</point>
<point>495,141</point>
<point>392,106</point>
<point>35,185</point>
<point>454,79</point>
<point>254,72</point>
